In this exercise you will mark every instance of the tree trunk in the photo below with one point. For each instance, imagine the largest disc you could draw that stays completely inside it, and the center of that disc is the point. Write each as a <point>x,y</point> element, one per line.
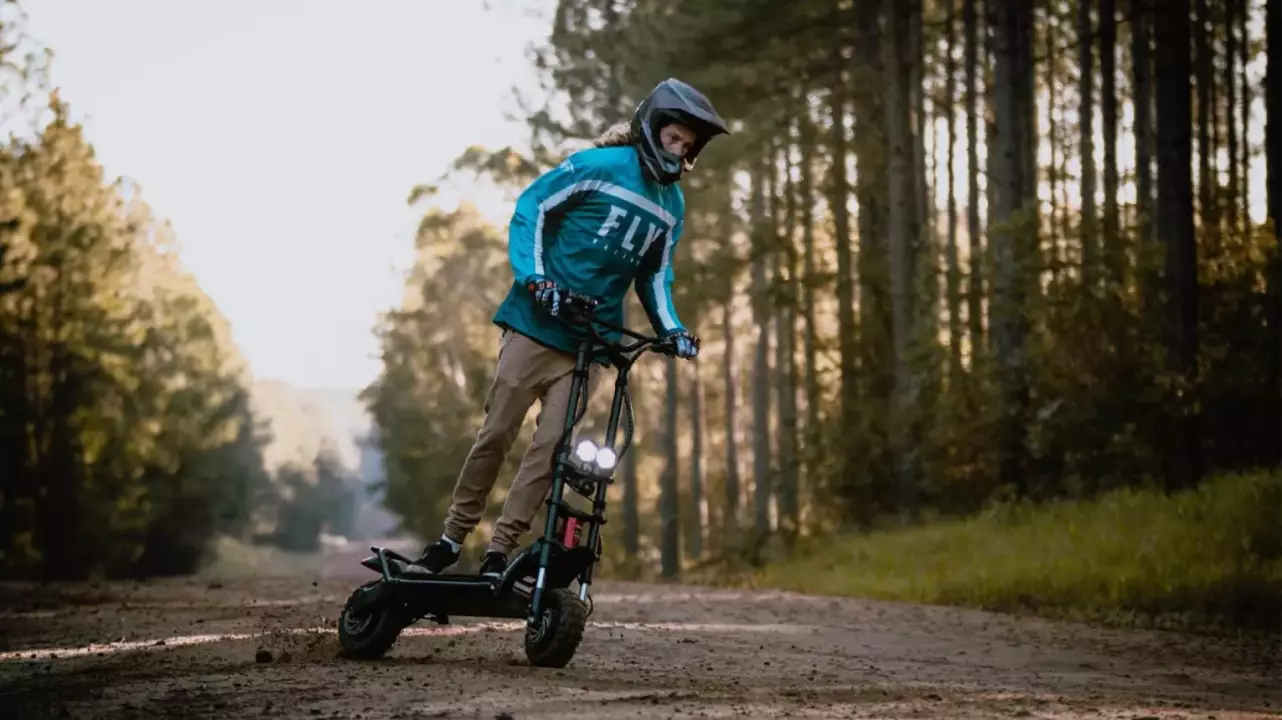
<point>1086,143</point>
<point>13,425</point>
<point>1244,60</point>
<point>669,520</point>
<point>13,398</point>
<point>761,361</point>
<point>1175,228</point>
<point>1141,61</point>
<point>913,61</point>
<point>807,142</point>
<point>1230,105</point>
<point>992,154</point>
<point>838,193</point>
<point>1273,152</point>
<point>1108,104</point>
<point>876,372</point>
<point>1014,192</point>
<point>954,271</point>
<point>864,104</point>
<point>1057,255</point>
<point>785,358</point>
<point>732,488</point>
<point>975,243</point>
<point>697,499</point>
<point>1214,231</point>
<point>1273,115</point>
<point>59,509</point>
<point>1204,117</point>
<point>902,204</point>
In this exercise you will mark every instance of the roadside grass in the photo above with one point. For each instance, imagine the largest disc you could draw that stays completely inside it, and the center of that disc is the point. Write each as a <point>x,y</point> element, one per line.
<point>1206,559</point>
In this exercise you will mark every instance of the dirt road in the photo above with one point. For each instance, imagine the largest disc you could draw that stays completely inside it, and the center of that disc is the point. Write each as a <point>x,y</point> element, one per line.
<point>191,649</point>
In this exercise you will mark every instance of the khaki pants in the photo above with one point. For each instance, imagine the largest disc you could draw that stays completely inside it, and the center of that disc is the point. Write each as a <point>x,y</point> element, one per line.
<point>526,372</point>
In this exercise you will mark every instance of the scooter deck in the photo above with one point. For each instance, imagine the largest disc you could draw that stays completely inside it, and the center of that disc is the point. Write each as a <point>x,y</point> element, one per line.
<point>460,597</point>
<point>471,595</point>
<point>446,594</point>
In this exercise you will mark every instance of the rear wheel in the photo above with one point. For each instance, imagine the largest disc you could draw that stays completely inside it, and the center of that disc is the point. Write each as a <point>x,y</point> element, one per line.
<point>555,636</point>
<point>368,633</point>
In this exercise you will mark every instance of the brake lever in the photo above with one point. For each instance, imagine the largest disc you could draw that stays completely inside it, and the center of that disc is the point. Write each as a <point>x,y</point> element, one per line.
<point>578,307</point>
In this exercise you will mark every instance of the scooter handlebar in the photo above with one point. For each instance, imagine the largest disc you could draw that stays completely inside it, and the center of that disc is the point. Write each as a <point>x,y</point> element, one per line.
<point>581,308</point>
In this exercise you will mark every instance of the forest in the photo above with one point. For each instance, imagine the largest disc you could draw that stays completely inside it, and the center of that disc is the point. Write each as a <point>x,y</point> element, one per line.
<point>957,260</point>
<point>989,293</point>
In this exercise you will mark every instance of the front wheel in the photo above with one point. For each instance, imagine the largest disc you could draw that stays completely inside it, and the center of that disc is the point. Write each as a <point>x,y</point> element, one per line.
<point>368,633</point>
<point>555,635</point>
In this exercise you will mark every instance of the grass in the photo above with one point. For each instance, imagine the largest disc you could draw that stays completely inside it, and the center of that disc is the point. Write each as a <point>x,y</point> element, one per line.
<point>1209,558</point>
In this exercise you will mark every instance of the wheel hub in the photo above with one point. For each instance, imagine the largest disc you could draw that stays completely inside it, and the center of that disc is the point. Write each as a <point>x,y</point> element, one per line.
<point>356,622</point>
<point>542,627</point>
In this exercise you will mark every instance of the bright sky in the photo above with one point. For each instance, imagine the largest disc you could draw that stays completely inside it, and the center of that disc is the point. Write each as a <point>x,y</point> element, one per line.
<point>282,139</point>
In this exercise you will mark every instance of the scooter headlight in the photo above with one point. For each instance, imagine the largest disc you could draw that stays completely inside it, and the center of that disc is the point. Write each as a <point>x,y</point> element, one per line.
<point>586,451</point>
<point>606,458</point>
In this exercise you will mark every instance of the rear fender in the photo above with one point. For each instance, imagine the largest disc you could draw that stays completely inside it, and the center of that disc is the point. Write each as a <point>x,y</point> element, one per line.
<point>382,557</point>
<point>373,596</point>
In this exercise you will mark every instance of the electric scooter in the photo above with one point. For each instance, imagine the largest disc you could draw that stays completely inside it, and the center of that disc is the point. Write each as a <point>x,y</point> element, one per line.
<point>536,583</point>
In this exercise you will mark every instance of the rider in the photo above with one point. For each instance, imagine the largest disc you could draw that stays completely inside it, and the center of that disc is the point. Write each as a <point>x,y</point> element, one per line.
<point>606,217</point>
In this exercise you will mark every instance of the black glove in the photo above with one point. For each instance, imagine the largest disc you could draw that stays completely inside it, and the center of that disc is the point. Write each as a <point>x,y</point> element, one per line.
<point>685,344</point>
<point>546,293</point>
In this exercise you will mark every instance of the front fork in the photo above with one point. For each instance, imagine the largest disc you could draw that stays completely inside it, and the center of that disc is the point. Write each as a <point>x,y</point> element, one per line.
<point>598,502</point>
<point>578,386</point>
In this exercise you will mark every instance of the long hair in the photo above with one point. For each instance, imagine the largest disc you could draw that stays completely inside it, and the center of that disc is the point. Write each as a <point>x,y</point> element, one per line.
<point>615,135</point>
<point>621,134</point>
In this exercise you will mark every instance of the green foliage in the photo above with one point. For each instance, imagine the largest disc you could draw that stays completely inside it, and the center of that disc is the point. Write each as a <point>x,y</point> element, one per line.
<point>126,435</point>
<point>1206,556</point>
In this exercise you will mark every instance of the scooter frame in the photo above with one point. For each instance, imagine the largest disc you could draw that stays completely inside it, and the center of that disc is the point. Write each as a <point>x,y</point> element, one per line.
<point>555,559</point>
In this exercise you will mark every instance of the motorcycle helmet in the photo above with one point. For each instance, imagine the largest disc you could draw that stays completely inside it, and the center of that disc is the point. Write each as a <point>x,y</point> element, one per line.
<point>673,101</point>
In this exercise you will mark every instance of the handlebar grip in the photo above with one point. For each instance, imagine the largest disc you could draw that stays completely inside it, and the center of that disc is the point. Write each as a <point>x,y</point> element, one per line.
<point>577,299</point>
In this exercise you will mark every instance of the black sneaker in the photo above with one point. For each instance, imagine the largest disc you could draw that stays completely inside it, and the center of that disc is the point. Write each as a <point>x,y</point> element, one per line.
<point>494,564</point>
<point>435,559</point>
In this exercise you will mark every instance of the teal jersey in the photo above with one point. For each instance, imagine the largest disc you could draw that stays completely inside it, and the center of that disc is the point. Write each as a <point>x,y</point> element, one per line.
<point>597,226</point>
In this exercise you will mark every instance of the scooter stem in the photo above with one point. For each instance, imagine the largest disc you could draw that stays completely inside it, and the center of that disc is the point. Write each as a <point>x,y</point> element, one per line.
<point>577,387</point>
